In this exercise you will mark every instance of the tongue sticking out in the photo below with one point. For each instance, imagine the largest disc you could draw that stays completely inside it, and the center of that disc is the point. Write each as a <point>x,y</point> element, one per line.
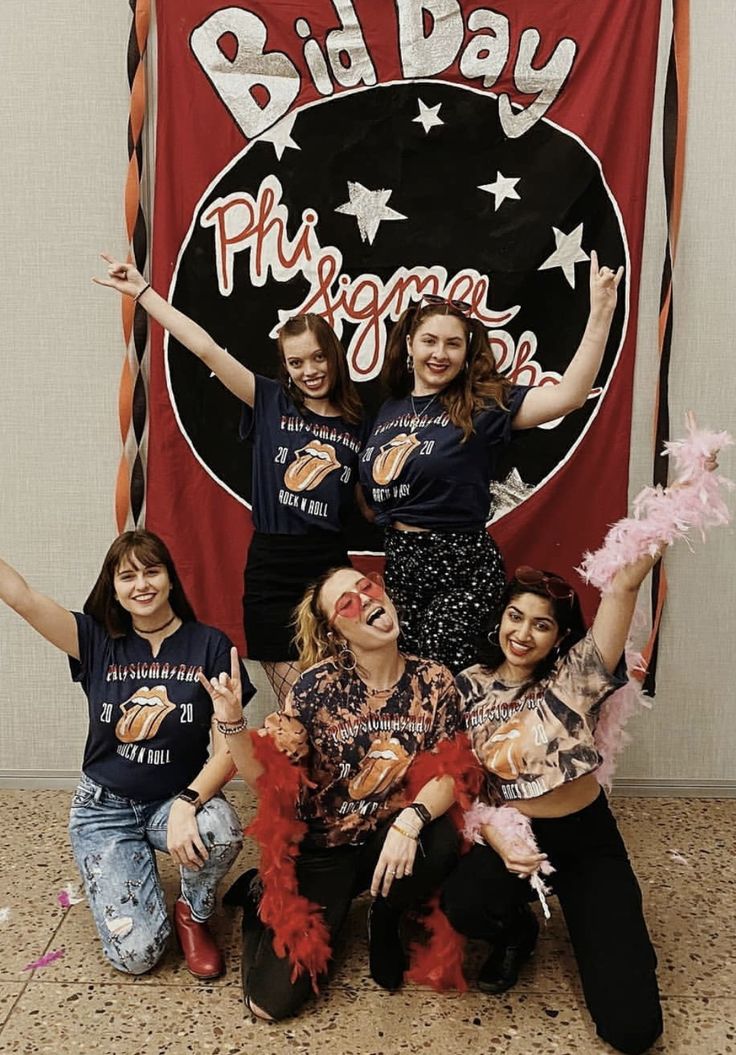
<point>381,620</point>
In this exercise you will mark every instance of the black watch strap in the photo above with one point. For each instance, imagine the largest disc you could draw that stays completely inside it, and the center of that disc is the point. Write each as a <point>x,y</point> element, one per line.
<point>421,811</point>
<point>191,796</point>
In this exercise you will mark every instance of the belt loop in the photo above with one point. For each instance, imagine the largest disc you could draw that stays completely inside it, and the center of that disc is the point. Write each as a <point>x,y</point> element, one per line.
<point>99,792</point>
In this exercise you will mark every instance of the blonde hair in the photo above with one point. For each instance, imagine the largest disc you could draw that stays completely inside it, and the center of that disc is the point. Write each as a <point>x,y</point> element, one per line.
<point>313,636</point>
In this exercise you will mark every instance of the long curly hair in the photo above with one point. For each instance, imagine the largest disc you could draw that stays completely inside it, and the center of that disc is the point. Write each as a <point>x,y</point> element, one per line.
<point>343,393</point>
<point>314,638</point>
<point>145,549</point>
<point>478,383</point>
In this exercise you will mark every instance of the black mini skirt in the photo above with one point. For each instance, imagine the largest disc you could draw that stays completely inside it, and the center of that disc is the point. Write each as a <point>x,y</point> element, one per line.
<point>278,571</point>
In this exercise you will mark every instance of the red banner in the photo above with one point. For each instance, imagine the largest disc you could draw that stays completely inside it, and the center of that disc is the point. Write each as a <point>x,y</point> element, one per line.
<point>340,156</point>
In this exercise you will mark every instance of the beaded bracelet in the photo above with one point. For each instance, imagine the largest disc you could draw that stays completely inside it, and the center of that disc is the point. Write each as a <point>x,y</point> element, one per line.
<point>140,292</point>
<point>230,728</point>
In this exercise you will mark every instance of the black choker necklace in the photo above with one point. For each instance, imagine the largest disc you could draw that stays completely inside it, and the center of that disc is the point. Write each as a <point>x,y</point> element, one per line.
<point>156,629</point>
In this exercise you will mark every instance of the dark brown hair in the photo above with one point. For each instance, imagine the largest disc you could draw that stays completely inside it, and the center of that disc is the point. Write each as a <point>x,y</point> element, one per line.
<point>146,549</point>
<point>477,384</point>
<point>343,392</point>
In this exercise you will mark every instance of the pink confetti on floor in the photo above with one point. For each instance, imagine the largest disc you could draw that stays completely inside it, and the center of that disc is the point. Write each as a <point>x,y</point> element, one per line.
<point>44,961</point>
<point>63,898</point>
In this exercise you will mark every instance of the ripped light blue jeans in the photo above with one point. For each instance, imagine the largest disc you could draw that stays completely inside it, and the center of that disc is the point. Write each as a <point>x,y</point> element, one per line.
<point>114,840</point>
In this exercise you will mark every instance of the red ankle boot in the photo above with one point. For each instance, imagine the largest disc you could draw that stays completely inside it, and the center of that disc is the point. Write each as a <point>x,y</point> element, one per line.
<point>203,958</point>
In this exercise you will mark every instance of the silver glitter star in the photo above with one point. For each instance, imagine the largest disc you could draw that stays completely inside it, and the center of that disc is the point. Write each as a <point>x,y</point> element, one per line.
<point>280,135</point>
<point>568,253</point>
<point>509,493</point>
<point>429,116</point>
<point>369,208</point>
<point>504,187</point>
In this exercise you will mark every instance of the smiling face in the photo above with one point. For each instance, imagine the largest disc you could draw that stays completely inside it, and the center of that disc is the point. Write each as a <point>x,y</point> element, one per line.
<point>142,590</point>
<point>375,624</point>
<point>438,349</point>
<point>527,633</point>
<point>308,365</point>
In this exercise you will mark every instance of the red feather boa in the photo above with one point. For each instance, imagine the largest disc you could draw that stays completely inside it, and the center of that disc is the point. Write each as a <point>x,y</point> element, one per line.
<point>299,929</point>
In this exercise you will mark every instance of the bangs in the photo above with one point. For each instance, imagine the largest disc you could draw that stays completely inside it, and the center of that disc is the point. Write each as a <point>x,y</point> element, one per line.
<point>141,550</point>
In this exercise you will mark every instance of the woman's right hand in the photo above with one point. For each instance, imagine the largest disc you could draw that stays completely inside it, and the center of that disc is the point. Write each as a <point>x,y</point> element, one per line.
<point>226,692</point>
<point>517,859</point>
<point>125,278</point>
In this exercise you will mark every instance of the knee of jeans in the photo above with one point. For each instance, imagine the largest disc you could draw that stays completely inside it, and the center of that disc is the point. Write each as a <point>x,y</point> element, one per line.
<point>632,1035</point>
<point>133,946</point>
<point>220,829</point>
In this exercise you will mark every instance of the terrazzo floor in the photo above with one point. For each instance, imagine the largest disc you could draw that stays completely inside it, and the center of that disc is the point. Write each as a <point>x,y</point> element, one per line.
<point>683,853</point>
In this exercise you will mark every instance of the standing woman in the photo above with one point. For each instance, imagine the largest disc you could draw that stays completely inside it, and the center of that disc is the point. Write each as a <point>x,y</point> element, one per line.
<point>368,725</point>
<point>146,785</point>
<point>307,432</point>
<point>430,459</point>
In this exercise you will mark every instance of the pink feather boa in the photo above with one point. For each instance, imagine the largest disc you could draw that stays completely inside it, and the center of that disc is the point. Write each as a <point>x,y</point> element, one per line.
<point>660,516</point>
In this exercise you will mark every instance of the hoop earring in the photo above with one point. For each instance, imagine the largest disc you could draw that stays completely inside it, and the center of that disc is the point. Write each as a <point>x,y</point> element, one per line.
<point>555,653</point>
<point>346,660</point>
<point>289,383</point>
<point>409,363</point>
<point>497,642</point>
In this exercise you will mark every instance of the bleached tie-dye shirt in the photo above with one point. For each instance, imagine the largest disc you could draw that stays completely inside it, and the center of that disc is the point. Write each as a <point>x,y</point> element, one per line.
<point>534,737</point>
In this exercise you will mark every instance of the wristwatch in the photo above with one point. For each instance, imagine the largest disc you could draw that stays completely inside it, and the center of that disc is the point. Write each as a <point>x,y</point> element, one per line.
<point>192,797</point>
<point>421,811</point>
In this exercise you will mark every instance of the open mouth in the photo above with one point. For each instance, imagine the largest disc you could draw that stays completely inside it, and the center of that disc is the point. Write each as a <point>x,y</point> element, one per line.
<point>375,615</point>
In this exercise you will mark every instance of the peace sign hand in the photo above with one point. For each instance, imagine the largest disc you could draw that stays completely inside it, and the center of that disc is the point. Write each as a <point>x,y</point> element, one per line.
<point>603,286</point>
<point>125,278</point>
<point>226,692</point>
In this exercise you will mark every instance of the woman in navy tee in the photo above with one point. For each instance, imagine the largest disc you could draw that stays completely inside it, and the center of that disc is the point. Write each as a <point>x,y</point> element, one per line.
<point>307,432</point>
<point>147,783</point>
<point>431,457</point>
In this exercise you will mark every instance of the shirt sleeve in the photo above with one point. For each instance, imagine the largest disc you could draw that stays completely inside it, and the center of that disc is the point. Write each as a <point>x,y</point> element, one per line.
<point>93,644</point>
<point>582,681</point>
<point>267,393</point>
<point>287,730</point>
<point>495,423</point>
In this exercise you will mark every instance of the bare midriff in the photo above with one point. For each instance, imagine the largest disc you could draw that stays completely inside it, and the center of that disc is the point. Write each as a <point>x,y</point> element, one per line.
<point>401,526</point>
<point>561,802</point>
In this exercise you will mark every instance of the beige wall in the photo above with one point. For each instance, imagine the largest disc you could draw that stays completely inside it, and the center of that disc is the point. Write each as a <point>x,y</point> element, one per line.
<point>63,114</point>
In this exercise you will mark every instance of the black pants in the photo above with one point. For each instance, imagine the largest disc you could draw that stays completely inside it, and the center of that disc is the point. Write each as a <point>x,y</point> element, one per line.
<point>601,901</point>
<point>332,878</point>
<point>445,585</point>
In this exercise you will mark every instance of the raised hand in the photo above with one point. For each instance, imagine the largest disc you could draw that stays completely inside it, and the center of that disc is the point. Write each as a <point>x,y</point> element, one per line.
<point>226,692</point>
<point>125,278</point>
<point>603,287</point>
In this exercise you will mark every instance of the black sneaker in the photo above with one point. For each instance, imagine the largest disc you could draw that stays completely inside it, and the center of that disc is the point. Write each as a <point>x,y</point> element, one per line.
<point>386,954</point>
<point>514,947</point>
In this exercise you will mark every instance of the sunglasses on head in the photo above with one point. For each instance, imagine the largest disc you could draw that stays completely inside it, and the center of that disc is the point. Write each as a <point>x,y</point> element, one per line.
<point>349,605</point>
<point>554,585</point>
<point>459,305</point>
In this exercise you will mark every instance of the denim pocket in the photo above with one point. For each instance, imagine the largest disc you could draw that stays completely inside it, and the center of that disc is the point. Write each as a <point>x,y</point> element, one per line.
<point>84,793</point>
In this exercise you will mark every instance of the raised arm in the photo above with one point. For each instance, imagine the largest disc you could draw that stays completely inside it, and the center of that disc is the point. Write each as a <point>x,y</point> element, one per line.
<point>126,279</point>
<point>52,621</point>
<point>226,693</point>
<point>547,402</point>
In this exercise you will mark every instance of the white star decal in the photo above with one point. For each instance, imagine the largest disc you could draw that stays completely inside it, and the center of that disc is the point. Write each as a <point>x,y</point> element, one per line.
<point>280,135</point>
<point>568,253</point>
<point>428,116</point>
<point>369,207</point>
<point>503,188</point>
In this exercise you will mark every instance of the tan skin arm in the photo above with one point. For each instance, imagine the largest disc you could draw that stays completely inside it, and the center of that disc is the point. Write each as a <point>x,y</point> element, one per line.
<point>548,402</point>
<point>48,618</point>
<point>226,693</point>
<point>398,851</point>
<point>129,281</point>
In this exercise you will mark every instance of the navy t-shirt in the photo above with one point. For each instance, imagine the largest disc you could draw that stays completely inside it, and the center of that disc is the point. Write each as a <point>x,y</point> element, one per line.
<point>304,464</point>
<point>149,718</point>
<point>415,467</point>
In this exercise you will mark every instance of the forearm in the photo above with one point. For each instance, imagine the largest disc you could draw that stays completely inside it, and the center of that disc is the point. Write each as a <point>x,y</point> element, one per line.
<point>213,776</point>
<point>242,755</point>
<point>437,795</point>
<point>577,380</point>
<point>14,590</point>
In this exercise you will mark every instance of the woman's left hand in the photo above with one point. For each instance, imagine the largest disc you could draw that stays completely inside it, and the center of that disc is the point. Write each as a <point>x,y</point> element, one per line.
<point>183,840</point>
<point>603,287</point>
<point>396,862</point>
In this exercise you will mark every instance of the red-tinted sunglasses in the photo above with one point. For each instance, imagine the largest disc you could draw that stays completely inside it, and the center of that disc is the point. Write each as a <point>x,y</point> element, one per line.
<point>349,605</point>
<point>554,585</point>
<point>459,305</point>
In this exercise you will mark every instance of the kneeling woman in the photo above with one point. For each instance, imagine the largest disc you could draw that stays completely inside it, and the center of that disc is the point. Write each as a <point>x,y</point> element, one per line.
<point>146,784</point>
<point>531,713</point>
<point>369,725</point>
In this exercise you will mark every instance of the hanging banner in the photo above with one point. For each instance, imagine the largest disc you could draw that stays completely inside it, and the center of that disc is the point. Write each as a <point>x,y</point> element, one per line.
<point>346,156</point>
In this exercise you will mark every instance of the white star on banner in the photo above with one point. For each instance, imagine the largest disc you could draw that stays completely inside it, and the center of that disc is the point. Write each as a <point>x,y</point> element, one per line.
<point>568,253</point>
<point>503,188</point>
<point>369,208</point>
<point>428,116</point>
<point>280,135</point>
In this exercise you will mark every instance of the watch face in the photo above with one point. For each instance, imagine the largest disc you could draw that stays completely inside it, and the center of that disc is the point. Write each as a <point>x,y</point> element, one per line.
<point>189,795</point>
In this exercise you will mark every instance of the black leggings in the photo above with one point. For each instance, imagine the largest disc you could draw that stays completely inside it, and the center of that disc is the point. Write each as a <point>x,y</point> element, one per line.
<point>601,902</point>
<point>332,878</point>
<point>445,585</point>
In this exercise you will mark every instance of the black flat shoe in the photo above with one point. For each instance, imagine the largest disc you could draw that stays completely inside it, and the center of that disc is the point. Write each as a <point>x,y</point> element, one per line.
<point>515,946</point>
<point>386,954</point>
